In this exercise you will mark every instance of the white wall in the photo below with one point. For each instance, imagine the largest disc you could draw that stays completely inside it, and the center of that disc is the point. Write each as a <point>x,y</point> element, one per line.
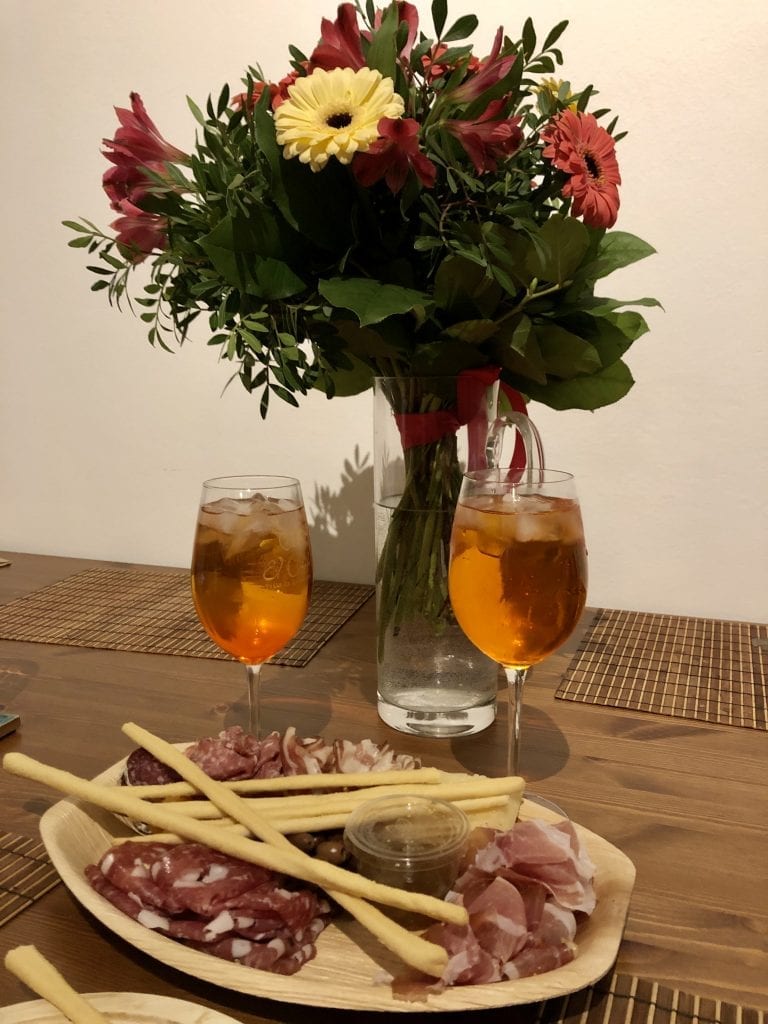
<point>104,441</point>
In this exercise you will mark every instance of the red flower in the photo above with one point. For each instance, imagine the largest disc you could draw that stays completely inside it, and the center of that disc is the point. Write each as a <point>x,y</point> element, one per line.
<point>139,233</point>
<point>128,181</point>
<point>340,45</point>
<point>138,141</point>
<point>488,137</point>
<point>433,68</point>
<point>577,145</point>
<point>393,155</point>
<point>489,72</point>
<point>241,100</point>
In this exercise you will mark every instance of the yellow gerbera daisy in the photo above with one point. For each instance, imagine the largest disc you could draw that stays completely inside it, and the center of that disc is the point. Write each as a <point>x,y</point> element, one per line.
<point>334,113</point>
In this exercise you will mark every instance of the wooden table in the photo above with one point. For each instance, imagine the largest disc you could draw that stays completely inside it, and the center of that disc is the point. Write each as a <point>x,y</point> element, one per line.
<point>685,800</point>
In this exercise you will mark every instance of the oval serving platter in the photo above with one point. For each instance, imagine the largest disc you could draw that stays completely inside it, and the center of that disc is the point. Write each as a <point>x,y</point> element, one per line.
<point>351,967</point>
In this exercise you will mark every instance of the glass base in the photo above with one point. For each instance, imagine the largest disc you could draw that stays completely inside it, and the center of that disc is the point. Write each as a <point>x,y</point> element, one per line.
<point>464,722</point>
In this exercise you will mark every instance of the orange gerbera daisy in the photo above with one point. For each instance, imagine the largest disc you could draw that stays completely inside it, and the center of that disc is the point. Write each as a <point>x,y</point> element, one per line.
<point>577,145</point>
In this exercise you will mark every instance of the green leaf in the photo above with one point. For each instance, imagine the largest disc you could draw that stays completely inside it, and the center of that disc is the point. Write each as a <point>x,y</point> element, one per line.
<point>555,34</point>
<point>599,307</point>
<point>565,354</point>
<point>593,392</point>
<point>196,111</point>
<point>464,289</point>
<point>79,242</point>
<point>618,249</point>
<point>529,39</point>
<point>74,226</point>
<point>565,242</point>
<point>382,52</point>
<point>517,350</point>
<point>348,381</point>
<point>369,300</point>
<point>461,29</point>
<point>473,331</point>
<point>439,15</point>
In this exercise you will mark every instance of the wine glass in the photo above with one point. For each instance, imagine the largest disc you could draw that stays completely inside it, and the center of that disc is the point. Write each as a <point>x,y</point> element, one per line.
<point>251,570</point>
<point>518,572</point>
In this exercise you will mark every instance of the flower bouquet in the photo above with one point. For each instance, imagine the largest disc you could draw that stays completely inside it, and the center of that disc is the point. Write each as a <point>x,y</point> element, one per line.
<point>395,206</point>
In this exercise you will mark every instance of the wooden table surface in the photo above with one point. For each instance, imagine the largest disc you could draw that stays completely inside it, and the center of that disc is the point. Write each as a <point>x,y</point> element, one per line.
<point>686,801</point>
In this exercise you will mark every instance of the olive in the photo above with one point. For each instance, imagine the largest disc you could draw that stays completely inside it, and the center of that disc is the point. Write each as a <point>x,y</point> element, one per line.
<point>305,841</point>
<point>332,850</point>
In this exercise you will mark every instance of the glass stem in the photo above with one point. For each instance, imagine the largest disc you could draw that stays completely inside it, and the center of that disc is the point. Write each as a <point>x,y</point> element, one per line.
<point>515,680</point>
<point>254,709</point>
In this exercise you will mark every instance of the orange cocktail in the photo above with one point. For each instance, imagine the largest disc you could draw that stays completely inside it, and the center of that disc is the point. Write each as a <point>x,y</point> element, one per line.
<point>518,574</point>
<point>251,574</point>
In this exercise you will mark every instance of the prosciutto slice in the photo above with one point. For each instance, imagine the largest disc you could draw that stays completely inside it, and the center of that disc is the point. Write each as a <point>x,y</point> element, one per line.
<point>522,889</point>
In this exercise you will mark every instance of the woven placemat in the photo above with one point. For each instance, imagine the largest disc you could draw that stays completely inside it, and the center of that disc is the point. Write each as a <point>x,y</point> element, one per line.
<point>625,999</point>
<point>152,612</point>
<point>26,874</point>
<point>706,669</point>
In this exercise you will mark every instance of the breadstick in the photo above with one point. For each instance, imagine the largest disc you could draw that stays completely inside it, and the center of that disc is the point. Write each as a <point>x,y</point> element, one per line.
<point>280,860</point>
<point>39,974</point>
<point>302,806</point>
<point>313,823</point>
<point>329,780</point>
<point>427,956</point>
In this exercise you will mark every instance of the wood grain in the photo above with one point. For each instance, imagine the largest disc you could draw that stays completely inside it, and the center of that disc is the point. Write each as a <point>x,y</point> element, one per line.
<point>685,801</point>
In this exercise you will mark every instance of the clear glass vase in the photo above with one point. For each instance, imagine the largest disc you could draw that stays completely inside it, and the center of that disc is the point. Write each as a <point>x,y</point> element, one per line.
<point>431,679</point>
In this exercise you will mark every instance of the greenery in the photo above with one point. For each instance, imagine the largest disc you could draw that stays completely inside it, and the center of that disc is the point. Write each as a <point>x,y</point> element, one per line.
<point>307,279</point>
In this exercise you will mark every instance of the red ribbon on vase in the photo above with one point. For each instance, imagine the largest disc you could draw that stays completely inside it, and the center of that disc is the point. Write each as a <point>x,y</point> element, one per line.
<point>418,428</point>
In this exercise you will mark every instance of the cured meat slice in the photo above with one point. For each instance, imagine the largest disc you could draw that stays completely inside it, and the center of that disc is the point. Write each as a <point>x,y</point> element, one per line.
<point>549,854</point>
<point>497,918</point>
<point>214,902</point>
<point>235,754</point>
<point>521,891</point>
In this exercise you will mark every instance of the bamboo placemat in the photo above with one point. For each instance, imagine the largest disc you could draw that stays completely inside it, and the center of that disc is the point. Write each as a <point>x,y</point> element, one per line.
<point>26,874</point>
<point>706,669</point>
<point>152,612</point>
<point>625,999</point>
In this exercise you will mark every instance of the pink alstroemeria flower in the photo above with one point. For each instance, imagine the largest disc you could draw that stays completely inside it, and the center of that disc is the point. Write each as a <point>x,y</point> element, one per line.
<point>139,233</point>
<point>138,141</point>
<point>340,45</point>
<point>488,137</point>
<point>128,181</point>
<point>489,72</point>
<point>393,155</point>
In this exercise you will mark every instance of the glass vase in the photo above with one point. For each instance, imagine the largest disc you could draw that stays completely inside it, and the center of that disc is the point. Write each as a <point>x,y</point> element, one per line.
<point>431,680</point>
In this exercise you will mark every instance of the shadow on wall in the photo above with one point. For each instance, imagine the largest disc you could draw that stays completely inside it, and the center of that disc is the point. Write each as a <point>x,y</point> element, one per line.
<point>341,525</point>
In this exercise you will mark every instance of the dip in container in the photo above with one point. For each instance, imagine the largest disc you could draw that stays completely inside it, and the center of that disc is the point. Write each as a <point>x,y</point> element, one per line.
<point>407,841</point>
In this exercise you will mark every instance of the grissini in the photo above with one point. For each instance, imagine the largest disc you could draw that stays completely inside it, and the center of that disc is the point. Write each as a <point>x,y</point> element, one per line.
<point>283,783</point>
<point>413,950</point>
<point>425,956</point>
<point>39,974</point>
<point>326,803</point>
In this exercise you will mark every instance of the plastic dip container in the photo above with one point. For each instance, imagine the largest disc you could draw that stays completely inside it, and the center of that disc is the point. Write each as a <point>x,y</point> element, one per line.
<point>410,842</point>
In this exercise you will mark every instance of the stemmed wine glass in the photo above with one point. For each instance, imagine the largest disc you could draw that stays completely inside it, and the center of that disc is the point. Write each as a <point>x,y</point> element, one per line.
<point>251,570</point>
<point>518,572</point>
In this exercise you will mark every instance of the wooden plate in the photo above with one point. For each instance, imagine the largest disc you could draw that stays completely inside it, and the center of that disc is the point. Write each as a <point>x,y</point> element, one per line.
<point>350,968</point>
<point>121,1008</point>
